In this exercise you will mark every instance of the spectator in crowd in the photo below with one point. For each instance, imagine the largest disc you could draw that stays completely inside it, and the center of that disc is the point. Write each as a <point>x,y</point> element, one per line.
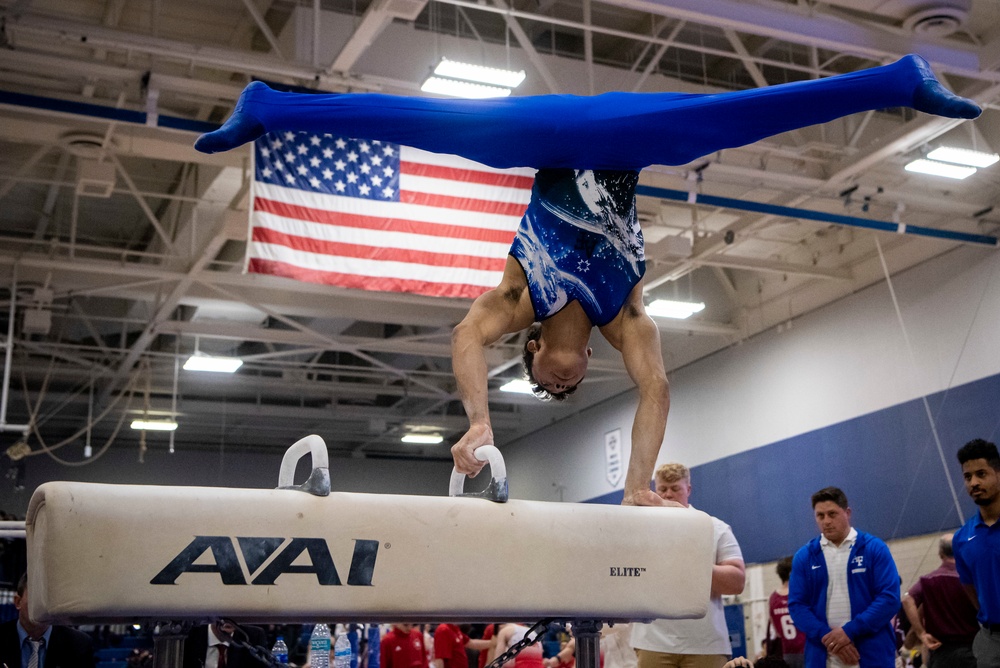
<point>693,643</point>
<point>403,647</point>
<point>977,546</point>
<point>450,643</point>
<point>28,644</point>
<point>212,646</point>
<point>942,615</point>
<point>844,591</point>
<point>511,634</point>
<point>793,641</point>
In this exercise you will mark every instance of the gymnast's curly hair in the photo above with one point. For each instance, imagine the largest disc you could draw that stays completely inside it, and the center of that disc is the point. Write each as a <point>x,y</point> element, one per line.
<point>528,359</point>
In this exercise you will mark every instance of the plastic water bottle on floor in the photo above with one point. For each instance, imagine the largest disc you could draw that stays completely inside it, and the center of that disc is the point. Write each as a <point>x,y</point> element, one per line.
<point>342,652</point>
<point>280,651</point>
<point>319,647</point>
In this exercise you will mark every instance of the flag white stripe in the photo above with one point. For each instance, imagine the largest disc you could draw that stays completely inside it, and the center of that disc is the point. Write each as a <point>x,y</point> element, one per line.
<point>380,238</point>
<point>410,154</point>
<point>438,186</point>
<point>376,268</point>
<point>361,207</point>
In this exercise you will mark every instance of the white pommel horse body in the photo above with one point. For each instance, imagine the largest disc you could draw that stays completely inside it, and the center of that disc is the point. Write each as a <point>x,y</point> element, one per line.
<point>117,553</point>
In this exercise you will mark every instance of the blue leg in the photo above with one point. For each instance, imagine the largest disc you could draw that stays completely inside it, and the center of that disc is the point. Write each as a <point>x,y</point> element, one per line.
<point>611,131</point>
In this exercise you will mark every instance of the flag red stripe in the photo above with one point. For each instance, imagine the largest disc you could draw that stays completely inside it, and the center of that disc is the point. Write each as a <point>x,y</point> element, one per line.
<point>376,283</point>
<point>334,248</point>
<point>466,175</point>
<point>513,209</point>
<point>312,215</point>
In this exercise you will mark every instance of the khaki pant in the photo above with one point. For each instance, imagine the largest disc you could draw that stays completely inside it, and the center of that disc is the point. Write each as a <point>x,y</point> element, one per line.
<point>648,659</point>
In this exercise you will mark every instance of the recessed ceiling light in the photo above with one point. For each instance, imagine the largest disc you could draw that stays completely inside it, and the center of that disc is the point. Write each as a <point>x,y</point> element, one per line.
<point>935,168</point>
<point>423,439</point>
<point>154,425</point>
<point>964,156</point>
<point>668,308</point>
<point>212,363</point>
<point>518,386</point>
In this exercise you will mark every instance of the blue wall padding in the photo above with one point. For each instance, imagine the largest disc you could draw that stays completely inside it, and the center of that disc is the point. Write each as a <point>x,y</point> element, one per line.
<point>886,462</point>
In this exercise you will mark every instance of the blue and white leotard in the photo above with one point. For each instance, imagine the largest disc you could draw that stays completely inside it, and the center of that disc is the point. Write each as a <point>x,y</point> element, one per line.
<point>580,240</point>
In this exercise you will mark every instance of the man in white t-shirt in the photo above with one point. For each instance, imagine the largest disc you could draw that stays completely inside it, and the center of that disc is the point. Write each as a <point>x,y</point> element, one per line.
<point>693,643</point>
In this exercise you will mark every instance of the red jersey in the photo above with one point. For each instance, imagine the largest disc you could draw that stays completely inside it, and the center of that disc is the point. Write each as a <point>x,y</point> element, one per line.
<point>449,646</point>
<point>403,650</point>
<point>793,641</point>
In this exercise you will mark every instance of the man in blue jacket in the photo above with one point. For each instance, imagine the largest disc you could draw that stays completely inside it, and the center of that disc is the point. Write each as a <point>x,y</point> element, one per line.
<point>844,591</point>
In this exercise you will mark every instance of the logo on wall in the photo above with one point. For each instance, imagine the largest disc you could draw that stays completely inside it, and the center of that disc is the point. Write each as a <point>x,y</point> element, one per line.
<point>258,550</point>
<point>613,456</point>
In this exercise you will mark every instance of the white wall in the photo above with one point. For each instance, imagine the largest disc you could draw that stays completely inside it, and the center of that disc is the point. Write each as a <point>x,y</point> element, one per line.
<point>842,361</point>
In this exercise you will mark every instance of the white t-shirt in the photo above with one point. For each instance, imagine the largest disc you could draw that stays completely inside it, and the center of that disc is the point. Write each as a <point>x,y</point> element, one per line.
<point>838,601</point>
<point>706,635</point>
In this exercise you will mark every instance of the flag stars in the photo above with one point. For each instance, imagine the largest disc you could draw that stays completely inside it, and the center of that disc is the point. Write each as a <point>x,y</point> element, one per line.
<point>289,179</point>
<point>327,174</point>
<point>352,157</point>
<point>314,162</point>
<point>279,165</point>
<point>289,156</point>
<point>265,151</point>
<point>376,160</point>
<point>289,136</point>
<point>376,181</point>
<point>366,168</point>
<point>388,151</point>
<point>302,149</point>
<point>315,183</point>
<point>302,170</point>
<point>388,172</point>
<point>340,165</point>
<point>364,189</point>
<point>387,192</point>
<point>328,153</point>
<point>352,177</point>
<point>314,140</point>
<point>266,172</point>
<point>340,186</point>
<point>276,143</point>
<point>340,144</point>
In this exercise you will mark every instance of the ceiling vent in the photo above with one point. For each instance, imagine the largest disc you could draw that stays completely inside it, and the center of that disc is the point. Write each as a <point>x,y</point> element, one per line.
<point>936,21</point>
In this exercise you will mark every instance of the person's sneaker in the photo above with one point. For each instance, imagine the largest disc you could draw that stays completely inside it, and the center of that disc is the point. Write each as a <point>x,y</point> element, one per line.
<point>932,98</point>
<point>238,129</point>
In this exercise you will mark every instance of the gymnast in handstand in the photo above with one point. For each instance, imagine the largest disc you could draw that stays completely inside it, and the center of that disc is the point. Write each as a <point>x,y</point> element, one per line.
<point>577,260</point>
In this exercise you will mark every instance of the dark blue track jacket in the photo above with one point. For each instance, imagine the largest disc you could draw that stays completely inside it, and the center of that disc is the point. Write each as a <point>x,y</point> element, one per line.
<point>873,589</point>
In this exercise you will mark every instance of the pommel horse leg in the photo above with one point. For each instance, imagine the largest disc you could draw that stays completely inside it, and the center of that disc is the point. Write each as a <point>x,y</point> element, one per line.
<point>588,643</point>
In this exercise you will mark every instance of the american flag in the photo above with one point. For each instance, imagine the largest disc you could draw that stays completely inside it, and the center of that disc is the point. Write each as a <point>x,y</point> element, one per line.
<point>379,216</point>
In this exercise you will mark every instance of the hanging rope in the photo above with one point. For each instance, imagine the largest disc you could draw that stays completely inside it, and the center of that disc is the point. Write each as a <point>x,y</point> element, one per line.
<point>927,407</point>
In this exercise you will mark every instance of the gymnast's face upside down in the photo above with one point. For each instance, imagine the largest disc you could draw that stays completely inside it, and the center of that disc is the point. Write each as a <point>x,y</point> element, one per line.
<point>555,371</point>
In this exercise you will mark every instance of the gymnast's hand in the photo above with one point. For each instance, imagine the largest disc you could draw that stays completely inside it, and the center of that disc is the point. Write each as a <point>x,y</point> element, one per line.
<point>462,452</point>
<point>647,497</point>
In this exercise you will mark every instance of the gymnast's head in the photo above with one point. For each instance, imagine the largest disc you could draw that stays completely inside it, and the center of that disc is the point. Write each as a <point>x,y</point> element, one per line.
<point>553,370</point>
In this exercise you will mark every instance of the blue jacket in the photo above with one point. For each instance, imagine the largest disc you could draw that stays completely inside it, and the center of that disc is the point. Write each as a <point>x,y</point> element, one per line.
<point>873,588</point>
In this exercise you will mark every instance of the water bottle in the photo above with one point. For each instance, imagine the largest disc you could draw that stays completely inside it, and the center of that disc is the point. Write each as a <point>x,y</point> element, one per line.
<point>342,652</point>
<point>319,647</point>
<point>280,651</point>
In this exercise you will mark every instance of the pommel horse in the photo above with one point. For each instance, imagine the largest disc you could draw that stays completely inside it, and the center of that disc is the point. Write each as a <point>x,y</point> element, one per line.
<point>101,553</point>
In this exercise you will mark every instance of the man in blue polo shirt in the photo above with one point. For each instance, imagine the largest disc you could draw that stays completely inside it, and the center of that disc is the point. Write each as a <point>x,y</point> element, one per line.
<point>977,546</point>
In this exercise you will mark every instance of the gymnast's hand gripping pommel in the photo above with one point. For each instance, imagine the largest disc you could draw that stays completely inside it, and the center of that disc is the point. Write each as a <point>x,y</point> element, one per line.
<point>625,131</point>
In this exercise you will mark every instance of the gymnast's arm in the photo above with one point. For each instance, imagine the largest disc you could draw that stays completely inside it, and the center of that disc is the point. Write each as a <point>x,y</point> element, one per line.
<point>635,335</point>
<point>502,310</point>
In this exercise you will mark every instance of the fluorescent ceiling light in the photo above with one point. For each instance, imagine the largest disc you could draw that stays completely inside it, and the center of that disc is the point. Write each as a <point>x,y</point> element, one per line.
<point>154,425</point>
<point>479,74</point>
<point>668,308</point>
<point>518,386</point>
<point>940,169</point>
<point>210,363</point>
<point>456,88</point>
<point>962,156</point>
<point>424,439</point>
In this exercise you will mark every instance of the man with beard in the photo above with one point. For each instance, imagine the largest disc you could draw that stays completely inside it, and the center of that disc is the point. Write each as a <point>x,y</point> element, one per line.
<point>977,546</point>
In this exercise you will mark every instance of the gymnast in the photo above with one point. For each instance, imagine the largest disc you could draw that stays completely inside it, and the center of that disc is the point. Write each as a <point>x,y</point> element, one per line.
<point>577,260</point>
